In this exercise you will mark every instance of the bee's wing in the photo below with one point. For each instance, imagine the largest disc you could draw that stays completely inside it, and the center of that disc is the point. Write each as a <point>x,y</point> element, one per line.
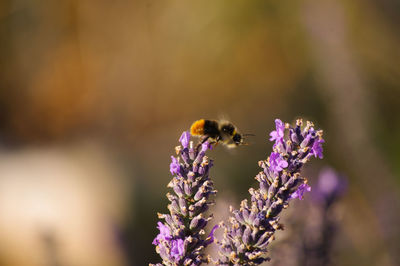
<point>223,118</point>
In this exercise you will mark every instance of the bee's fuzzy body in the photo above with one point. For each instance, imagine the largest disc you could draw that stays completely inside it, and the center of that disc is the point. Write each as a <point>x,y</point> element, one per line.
<point>219,132</point>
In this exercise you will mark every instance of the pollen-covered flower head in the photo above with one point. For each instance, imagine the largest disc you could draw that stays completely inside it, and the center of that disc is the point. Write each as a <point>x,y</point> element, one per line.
<point>253,225</point>
<point>181,239</point>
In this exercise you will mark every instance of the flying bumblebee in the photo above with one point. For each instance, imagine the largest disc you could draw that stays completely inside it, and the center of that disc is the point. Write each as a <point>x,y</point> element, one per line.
<point>218,132</point>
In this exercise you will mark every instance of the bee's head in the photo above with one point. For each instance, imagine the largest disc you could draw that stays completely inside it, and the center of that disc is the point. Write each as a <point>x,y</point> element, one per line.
<point>237,139</point>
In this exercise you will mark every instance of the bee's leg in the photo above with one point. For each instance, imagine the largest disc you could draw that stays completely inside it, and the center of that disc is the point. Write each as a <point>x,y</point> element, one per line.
<point>202,140</point>
<point>216,141</point>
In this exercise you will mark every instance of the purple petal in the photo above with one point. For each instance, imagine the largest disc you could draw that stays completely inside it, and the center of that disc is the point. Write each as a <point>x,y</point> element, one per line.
<point>177,249</point>
<point>277,163</point>
<point>211,235</point>
<point>303,188</point>
<point>317,148</point>
<point>206,146</point>
<point>184,139</point>
<point>279,132</point>
<point>174,166</point>
<point>274,135</point>
<point>165,233</point>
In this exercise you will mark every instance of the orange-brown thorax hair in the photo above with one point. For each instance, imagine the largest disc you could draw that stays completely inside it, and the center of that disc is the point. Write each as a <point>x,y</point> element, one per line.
<point>197,128</point>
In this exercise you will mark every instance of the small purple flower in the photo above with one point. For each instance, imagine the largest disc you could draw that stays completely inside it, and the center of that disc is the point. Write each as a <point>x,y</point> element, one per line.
<point>307,140</point>
<point>184,139</point>
<point>278,134</point>
<point>177,249</point>
<point>317,148</point>
<point>164,234</point>
<point>206,146</point>
<point>277,162</point>
<point>211,235</point>
<point>174,167</point>
<point>299,193</point>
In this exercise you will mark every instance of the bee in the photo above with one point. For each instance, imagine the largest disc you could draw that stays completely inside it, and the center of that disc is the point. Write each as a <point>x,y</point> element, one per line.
<point>218,132</point>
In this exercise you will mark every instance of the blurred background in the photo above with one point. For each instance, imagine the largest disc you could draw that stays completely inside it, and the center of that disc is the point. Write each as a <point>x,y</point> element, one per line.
<point>95,94</point>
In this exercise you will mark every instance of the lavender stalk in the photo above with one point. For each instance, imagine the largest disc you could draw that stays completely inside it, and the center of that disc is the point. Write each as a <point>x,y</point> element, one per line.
<point>181,240</point>
<point>252,228</point>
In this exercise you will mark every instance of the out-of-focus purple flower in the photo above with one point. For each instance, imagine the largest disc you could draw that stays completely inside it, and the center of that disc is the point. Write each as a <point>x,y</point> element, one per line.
<point>177,249</point>
<point>330,186</point>
<point>303,188</point>
<point>184,139</point>
<point>278,134</point>
<point>277,163</point>
<point>318,237</point>
<point>174,167</point>
<point>252,226</point>
<point>164,234</point>
<point>328,182</point>
<point>317,148</point>
<point>182,240</point>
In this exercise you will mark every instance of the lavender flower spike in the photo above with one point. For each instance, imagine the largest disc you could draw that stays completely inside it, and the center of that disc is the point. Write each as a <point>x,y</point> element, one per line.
<point>181,240</point>
<point>253,225</point>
